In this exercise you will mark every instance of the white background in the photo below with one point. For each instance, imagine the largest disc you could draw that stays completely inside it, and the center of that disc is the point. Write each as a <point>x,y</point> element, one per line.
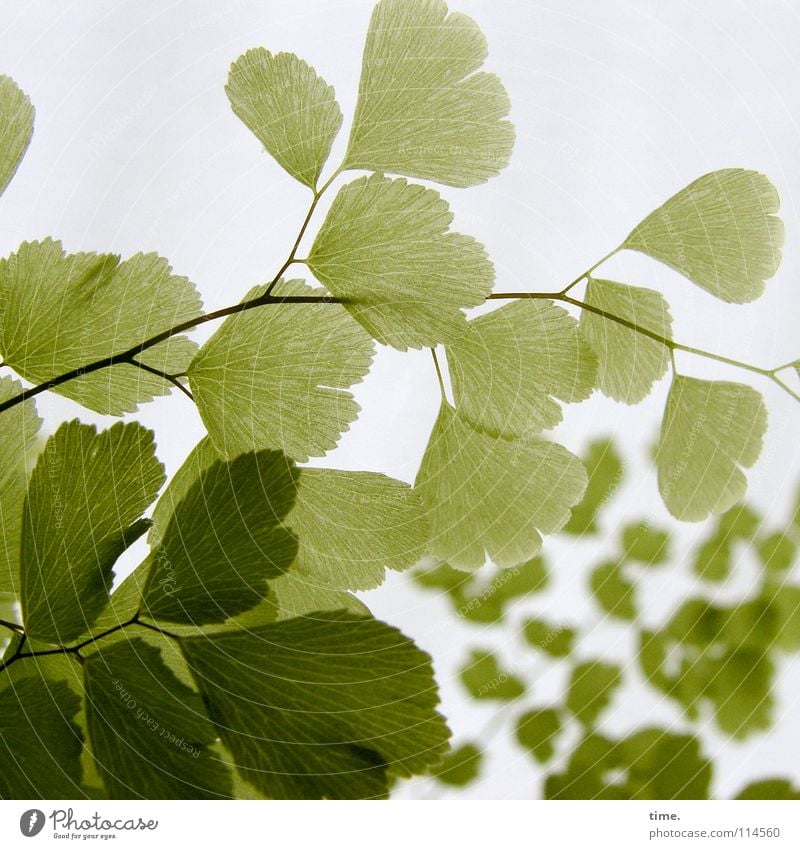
<point>617,106</point>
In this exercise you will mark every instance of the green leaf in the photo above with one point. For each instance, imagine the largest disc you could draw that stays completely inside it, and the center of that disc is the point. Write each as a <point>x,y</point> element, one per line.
<point>712,560</point>
<point>225,539</point>
<point>739,523</point>
<point>740,688</point>
<point>442,577</point>
<point>537,730</point>
<point>459,767</point>
<point>149,733</point>
<point>604,468</point>
<point>721,232</point>
<point>65,311</point>
<point>85,496</point>
<point>555,640</point>
<point>18,429</point>
<point>770,788</point>
<point>493,496</point>
<point>40,743</point>
<point>16,128</point>
<point>634,768</point>
<point>321,707</point>
<point>385,249</point>
<point>352,526</point>
<point>613,591</point>
<point>777,551</point>
<point>645,544</point>
<point>630,362</point>
<point>276,376</point>
<point>509,366</point>
<point>487,601</point>
<point>422,111</point>
<point>295,594</point>
<point>710,428</point>
<point>485,679</point>
<point>291,110</point>
<point>591,688</point>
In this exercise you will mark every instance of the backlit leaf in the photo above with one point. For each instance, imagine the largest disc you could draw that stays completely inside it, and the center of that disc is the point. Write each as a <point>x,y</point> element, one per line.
<point>604,468</point>
<point>710,429</point>
<point>537,731</point>
<point>385,248</point>
<point>613,591</point>
<point>459,767</point>
<point>645,544</point>
<point>770,788</point>
<point>16,128</point>
<point>555,640</point>
<point>509,366</point>
<point>591,688</point>
<point>721,232</point>
<point>422,110</point>
<point>484,678</point>
<point>291,110</point>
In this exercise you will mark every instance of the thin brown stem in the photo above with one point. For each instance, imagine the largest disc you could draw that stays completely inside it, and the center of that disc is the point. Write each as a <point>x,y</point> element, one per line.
<point>169,378</point>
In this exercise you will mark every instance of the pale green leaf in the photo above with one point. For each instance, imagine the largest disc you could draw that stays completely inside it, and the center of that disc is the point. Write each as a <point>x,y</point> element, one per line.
<point>296,594</point>
<point>509,367</point>
<point>712,560</point>
<point>710,429</point>
<point>630,362</point>
<point>149,733</point>
<point>16,128</point>
<point>385,248</point>
<point>459,767</point>
<point>422,110</point>
<point>645,544</point>
<point>604,469</point>
<point>40,743</point>
<point>352,526</point>
<point>321,707</point>
<point>537,731</point>
<point>276,377</point>
<point>224,540</point>
<point>84,500</point>
<point>613,591</point>
<point>493,496</point>
<point>484,678</point>
<point>65,311</point>
<point>721,232</point>
<point>18,428</point>
<point>591,688</point>
<point>290,110</point>
<point>487,601</point>
<point>777,551</point>
<point>555,640</point>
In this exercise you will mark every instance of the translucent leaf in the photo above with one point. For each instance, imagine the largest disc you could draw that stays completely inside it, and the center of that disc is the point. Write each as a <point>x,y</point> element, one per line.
<point>40,743</point>
<point>634,768</point>
<point>777,551</point>
<point>65,311</point>
<point>352,526</point>
<point>225,539</point>
<point>591,687</point>
<point>149,732</point>
<point>740,688</point>
<point>613,591</point>
<point>487,601</point>
<point>441,577</point>
<point>321,707</point>
<point>604,468</point>
<point>645,544</point>
<point>493,496</point>
<point>721,232</point>
<point>16,128</point>
<point>555,640</point>
<point>710,429</point>
<point>629,362</point>
<point>739,523</point>
<point>18,428</point>
<point>295,594</point>
<point>276,377</point>
<point>460,767</point>
<point>385,248</point>
<point>509,366</point>
<point>484,678</point>
<point>85,496</point>
<point>422,111</point>
<point>537,730</point>
<point>770,788</point>
<point>291,110</point>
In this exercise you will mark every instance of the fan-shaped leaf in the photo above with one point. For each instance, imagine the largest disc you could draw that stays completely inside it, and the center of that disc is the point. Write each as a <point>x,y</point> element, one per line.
<point>613,591</point>
<point>630,362</point>
<point>291,110</point>
<point>276,377</point>
<point>721,232</point>
<point>645,544</point>
<point>484,678</point>
<point>590,689</point>
<point>493,496</point>
<point>322,706</point>
<point>85,496</point>
<point>16,128</point>
<point>509,366</point>
<point>710,429</point>
<point>384,249</point>
<point>459,767</point>
<point>555,640</point>
<point>537,730</point>
<point>224,540</point>
<point>422,111</point>
<point>604,469</point>
<point>65,311</point>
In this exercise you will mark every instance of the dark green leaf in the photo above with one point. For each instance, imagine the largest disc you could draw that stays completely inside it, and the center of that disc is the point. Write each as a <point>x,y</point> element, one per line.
<point>555,640</point>
<point>537,730</point>
<point>459,767</point>
<point>770,788</point>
